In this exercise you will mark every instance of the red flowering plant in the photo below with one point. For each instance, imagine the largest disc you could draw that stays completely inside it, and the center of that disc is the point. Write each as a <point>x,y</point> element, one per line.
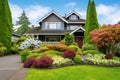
<point>107,36</point>
<point>43,62</point>
<point>69,54</point>
<point>29,62</point>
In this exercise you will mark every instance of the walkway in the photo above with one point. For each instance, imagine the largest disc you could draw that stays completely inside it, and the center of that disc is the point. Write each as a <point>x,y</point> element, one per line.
<point>11,68</point>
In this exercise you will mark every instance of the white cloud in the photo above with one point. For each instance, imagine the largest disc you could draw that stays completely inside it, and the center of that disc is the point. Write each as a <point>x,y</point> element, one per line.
<point>71,4</point>
<point>33,12</point>
<point>16,11</point>
<point>108,14</point>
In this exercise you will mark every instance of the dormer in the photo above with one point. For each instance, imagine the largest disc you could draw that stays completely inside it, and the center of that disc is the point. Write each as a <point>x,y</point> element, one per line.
<point>73,16</point>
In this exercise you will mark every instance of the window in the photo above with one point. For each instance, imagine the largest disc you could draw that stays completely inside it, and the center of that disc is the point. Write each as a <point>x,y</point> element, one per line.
<point>73,17</point>
<point>72,27</point>
<point>52,38</point>
<point>53,25</point>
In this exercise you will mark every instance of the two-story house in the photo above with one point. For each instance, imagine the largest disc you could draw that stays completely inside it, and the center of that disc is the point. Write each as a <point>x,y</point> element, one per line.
<point>53,26</point>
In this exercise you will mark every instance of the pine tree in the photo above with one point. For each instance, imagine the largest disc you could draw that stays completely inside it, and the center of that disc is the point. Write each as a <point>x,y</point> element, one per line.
<point>91,20</point>
<point>24,22</point>
<point>5,24</point>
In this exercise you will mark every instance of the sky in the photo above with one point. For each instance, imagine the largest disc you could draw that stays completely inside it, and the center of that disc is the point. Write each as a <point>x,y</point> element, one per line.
<point>108,11</point>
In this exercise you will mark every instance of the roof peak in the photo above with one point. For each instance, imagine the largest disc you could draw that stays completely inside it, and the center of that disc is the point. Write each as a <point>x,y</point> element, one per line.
<point>73,11</point>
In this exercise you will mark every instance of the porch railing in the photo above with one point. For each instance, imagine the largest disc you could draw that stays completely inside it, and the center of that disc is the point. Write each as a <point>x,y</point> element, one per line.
<point>49,42</point>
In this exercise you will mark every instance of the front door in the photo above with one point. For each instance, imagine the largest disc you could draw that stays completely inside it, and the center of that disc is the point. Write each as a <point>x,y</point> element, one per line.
<point>79,41</point>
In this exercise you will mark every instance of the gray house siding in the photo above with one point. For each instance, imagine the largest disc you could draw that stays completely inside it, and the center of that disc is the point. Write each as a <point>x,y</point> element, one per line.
<point>52,18</point>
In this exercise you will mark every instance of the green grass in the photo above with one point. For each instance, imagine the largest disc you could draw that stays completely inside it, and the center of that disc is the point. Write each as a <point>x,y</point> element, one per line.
<point>81,72</point>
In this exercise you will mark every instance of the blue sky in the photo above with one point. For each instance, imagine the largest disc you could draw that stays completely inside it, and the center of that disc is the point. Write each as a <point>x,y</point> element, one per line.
<point>108,10</point>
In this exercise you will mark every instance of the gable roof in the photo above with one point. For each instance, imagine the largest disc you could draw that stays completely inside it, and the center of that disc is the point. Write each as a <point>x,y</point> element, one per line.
<point>52,12</point>
<point>77,29</point>
<point>73,12</point>
<point>15,34</point>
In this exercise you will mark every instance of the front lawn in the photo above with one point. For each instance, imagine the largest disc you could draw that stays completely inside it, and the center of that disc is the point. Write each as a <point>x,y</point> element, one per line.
<point>81,72</point>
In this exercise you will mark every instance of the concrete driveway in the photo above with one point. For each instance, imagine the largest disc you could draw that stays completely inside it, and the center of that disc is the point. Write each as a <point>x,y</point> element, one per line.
<point>11,68</point>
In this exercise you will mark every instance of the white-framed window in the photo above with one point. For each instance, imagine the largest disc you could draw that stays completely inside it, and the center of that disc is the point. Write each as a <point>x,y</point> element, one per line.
<point>73,17</point>
<point>72,27</point>
<point>52,25</point>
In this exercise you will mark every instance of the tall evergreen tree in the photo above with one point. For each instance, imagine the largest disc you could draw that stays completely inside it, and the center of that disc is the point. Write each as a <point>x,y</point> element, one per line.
<point>24,22</point>
<point>5,24</point>
<point>91,20</point>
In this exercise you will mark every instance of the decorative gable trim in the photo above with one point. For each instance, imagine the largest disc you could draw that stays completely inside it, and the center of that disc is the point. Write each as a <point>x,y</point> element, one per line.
<point>77,29</point>
<point>73,12</point>
<point>52,12</point>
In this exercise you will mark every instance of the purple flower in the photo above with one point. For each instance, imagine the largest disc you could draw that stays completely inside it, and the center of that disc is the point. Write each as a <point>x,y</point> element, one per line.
<point>83,57</point>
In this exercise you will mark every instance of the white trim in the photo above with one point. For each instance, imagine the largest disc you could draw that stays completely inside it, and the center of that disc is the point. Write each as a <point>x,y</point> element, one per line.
<point>52,12</point>
<point>72,13</point>
<point>77,29</point>
<point>76,22</point>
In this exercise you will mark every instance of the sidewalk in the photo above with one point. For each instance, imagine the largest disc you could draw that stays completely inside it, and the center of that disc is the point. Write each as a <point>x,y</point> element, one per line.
<point>11,68</point>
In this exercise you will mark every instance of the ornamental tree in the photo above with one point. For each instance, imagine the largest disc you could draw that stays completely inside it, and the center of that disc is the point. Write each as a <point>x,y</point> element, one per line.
<point>91,20</point>
<point>107,36</point>
<point>5,24</point>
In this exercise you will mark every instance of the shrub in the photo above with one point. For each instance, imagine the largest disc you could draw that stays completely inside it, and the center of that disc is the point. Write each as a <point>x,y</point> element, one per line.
<point>43,49</point>
<point>91,52</point>
<point>24,55</point>
<point>107,36</point>
<point>30,43</point>
<point>108,56</point>
<point>14,49</point>
<point>20,40</point>
<point>58,60</point>
<point>69,39</point>
<point>29,62</point>
<point>69,54</point>
<point>51,52</point>
<point>43,62</point>
<point>88,47</point>
<point>62,41</point>
<point>99,59</point>
<point>75,48</point>
<point>35,55</point>
<point>3,51</point>
<point>77,59</point>
<point>58,47</point>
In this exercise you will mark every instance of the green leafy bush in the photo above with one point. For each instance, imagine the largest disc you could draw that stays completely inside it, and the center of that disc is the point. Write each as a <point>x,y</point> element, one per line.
<point>88,47</point>
<point>3,50</point>
<point>14,49</point>
<point>77,59</point>
<point>35,55</point>
<point>24,55</point>
<point>69,39</point>
<point>75,48</point>
<point>52,53</point>
<point>21,39</point>
<point>91,52</point>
